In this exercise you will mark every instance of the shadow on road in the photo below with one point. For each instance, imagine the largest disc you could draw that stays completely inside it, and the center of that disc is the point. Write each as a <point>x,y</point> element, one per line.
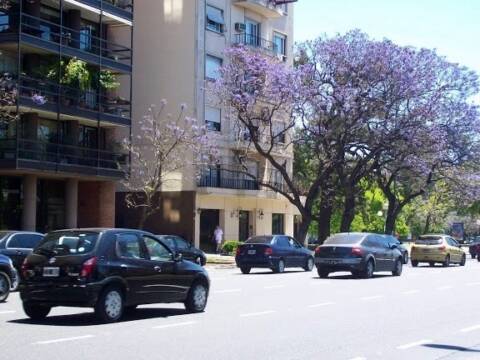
<point>270,272</point>
<point>351,277</point>
<point>89,319</point>
<point>451,347</point>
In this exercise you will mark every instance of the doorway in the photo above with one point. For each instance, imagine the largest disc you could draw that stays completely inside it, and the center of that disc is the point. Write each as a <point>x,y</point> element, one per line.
<point>278,224</point>
<point>243,225</point>
<point>252,32</point>
<point>209,219</point>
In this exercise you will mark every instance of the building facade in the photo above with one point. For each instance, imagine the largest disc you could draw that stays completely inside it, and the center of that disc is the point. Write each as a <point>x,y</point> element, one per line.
<point>179,46</point>
<point>68,64</point>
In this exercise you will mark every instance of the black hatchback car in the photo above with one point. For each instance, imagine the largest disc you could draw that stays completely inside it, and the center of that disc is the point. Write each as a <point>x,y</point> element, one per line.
<point>360,253</point>
<point>111,270</point>
<point>182,246</point>
<point>275,252</point>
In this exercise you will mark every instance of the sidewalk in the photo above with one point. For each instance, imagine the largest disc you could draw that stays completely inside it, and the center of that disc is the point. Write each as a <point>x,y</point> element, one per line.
<point>220,261</point>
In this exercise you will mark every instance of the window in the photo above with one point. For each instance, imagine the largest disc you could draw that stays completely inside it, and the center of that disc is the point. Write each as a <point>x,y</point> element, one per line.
<point>212,67</point>
<point>278,221</point>
<point>128,246</point>
<point>283,242</point>
<point>169,241</point>
<point>215,20</point>
<point>280,45</point>
<point>213,118</point>
<point>278,130</point>
<point>156,250</point>
<point>294,243</point>
<point>68,242</point>
<point>87,136</point>
<point>182,244</point>
<point>24,241</point>
<point>47,130</point>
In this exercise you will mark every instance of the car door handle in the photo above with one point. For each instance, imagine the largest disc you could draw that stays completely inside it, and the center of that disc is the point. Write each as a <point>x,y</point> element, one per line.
<point>157,269</point>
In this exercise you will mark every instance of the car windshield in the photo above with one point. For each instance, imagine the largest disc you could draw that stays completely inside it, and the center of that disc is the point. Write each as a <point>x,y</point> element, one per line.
<point>344,239</point>
<point>259,240</point>
<point>67,243</point>
<point>3,234</point>
<point>429,240</point>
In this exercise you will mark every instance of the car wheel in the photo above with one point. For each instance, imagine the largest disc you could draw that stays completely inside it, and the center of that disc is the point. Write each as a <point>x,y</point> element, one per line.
<point>35,311</point>
<point>414,263</point>
<point>5,286</point>
<point>109,306</point>
<point>405,258</point>
<point>323,274</point>
<point>397,271</point>
<point>280,268</point>
<point>309,265</point>
<point>245,269</point>
<point>369,268</point>
<point>464,260</point>
<point>478,258</point>
<point>197,298</point>
<point>446,263</point>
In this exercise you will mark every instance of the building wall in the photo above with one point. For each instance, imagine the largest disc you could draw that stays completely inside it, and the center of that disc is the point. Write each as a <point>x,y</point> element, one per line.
<point>96,204</point>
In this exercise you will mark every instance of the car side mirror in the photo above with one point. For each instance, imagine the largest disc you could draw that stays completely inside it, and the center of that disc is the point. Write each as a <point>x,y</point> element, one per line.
<point>178,257</point>
<point>393,246</point>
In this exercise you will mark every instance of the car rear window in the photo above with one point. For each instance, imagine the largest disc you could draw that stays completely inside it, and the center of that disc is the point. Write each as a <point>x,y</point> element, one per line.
<point>68,243</point>
<point>259,240</point>
<point>344,239</point>
<point>429,240</point>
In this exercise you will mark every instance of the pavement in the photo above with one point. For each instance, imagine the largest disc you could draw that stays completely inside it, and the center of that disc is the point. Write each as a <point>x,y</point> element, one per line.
<point>427,313</point>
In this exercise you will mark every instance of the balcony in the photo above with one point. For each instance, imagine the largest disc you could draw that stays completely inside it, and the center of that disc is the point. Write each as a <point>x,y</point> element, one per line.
<point>267,8</point>
<point>88,104</point>
<point>52,37</point>
<point>267,46</point>
<point>226,180</point>
<point>38,155</point>
<point>120,8</point>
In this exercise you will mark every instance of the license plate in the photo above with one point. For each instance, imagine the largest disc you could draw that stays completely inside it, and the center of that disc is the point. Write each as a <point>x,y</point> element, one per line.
<point>51,271</point>
<point>252,252</point>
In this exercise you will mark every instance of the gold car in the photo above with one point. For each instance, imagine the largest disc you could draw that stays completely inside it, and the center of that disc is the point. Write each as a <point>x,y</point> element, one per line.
<point>437,249</point>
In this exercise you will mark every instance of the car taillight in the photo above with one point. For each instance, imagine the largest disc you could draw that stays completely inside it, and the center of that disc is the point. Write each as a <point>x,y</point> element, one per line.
<point>357,251</point>
<point>88,267</point>
<point>268,251</point>
<point>443,247</point>
<point>238,251</point>
<point>318,249</point>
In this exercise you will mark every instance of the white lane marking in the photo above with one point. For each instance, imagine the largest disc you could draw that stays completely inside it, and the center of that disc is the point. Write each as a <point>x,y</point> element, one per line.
<point>7,312</point>
<point>446,287</point>
<point>359,358</point>
<point>257,313</point>
<point>410,292</point>
<point>473,284</point>
<point>471,328</point>
<point>218,279</point>
<point>226,291</point>
<point>413,344</point>
<point>274,287</point>
<point>46,342</point>
<point>375,297</point>
<point>186,323</point>
<point>321,304</point>
<point>320,282</point>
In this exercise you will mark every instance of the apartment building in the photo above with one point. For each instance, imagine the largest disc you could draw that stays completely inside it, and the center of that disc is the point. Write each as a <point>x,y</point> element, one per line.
<point>179,46</point>
<point>68,64</point>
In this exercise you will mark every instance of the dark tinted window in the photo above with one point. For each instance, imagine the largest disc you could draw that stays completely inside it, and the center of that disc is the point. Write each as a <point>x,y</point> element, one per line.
<point>283,242</point>
<point>24,241</point>
<point>128,246</point>
<point>156,250</point>
<point>429,240</point>
<point>68,242</point>
<point>294,243</point>
<point>182,244</point>
<point>344,239</point>
<point>169,241</point>
<point>259,240</point>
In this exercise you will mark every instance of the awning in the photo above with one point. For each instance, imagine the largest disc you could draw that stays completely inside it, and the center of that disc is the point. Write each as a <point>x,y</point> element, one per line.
<point>215,15</point>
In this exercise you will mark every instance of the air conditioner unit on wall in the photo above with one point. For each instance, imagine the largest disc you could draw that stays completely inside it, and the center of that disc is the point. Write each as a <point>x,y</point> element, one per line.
<point>240,27</point>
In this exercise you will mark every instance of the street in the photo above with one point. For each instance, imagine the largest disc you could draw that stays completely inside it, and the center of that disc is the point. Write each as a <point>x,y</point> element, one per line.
<point>427,313</point>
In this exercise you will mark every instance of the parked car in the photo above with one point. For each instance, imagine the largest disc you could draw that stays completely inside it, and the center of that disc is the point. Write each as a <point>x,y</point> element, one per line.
<point>111,270</point>
<point>474,248</point>
<point>362,254</point>
<point>276,252</point>
<point>182,246</point>
<point>437,248</point>
<point>8,277</point>
<point>18,244</point>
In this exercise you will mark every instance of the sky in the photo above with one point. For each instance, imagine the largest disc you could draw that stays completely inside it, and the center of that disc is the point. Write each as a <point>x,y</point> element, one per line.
<point>450,26</point>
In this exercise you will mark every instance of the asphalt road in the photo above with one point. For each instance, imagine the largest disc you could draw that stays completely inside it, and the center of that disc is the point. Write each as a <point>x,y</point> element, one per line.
<point>427,313</point>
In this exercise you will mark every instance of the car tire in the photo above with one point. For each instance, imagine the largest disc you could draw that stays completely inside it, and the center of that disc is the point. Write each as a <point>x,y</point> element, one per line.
<point>323,274</point>
<point>406,258</point>
<point>414,263</point>
<point>473,256</point>
<point>464,260</point>
<point>397,271</point>
<point>245,269</point>
<point>446,263</point>
<point>5,285</point>
<point>197,298</point>
<point>309,265</point>
<point>478,258</point>
<point>109,307</point>
<point>34,311</point>
<point>280,268</point>
<point>367,273</point>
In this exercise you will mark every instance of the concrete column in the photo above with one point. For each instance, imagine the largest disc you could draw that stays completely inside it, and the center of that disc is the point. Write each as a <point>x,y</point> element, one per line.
<point>29,214</point>
<point>106,204</point>
<point>197,230</point>
<point>71,203</point>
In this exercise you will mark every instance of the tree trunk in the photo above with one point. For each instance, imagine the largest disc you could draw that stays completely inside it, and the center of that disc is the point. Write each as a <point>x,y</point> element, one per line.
<point>324,218</point>
<point>348,211</point>
<point>303,230</point>
<point>394,209</point>
<point>143,217</point>
<point>426,229</point>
